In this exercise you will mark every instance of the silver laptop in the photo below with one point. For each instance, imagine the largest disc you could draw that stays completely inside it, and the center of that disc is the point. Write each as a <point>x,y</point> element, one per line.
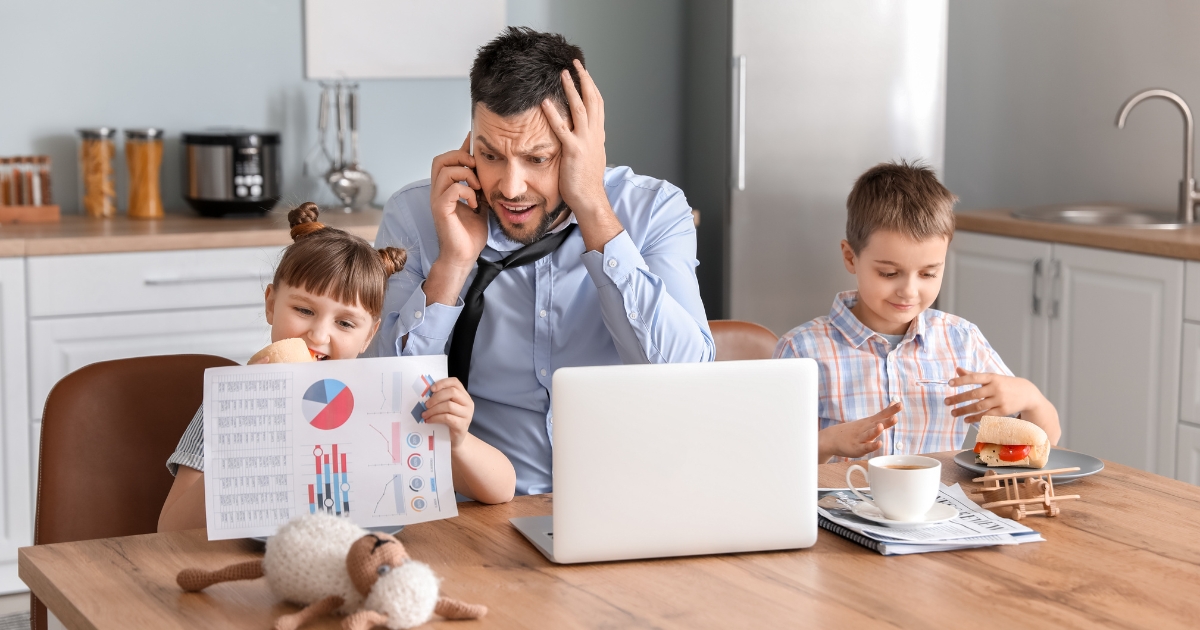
<point>675,460</point>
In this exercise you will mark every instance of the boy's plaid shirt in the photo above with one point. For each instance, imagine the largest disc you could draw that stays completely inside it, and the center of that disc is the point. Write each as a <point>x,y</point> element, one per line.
<point>858,377</point>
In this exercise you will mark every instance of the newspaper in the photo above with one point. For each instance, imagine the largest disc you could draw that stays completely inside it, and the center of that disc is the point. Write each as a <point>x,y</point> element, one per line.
<point>972,527</point>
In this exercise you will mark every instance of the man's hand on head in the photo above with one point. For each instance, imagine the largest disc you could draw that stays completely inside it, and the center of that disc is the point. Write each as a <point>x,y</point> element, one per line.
<point>582,161</point>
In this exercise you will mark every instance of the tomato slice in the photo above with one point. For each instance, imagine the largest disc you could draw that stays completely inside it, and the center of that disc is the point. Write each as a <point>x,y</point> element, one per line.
<point>979,446</point>
<point>1014,452</point>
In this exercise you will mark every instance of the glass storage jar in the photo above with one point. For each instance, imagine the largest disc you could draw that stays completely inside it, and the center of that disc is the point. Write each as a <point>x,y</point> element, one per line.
<point>98,192</point>
<point>143,156</point>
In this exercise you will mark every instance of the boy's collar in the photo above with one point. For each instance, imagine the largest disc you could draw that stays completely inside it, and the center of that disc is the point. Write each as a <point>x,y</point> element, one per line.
<point>857,333</point>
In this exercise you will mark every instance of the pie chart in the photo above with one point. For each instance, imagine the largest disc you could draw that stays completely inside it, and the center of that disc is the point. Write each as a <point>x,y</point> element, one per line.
<point>327,404</point>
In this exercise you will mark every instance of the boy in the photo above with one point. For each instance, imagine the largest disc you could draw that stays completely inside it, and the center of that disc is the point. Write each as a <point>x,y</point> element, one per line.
<point>887,360</point>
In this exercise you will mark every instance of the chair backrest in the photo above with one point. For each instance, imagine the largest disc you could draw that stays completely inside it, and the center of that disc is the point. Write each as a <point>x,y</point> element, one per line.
<point>107,431</point>
<point>740,341</point>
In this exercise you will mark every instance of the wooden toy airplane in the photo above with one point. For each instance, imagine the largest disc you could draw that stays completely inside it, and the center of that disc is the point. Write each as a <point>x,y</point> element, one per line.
<point>1038,484</point>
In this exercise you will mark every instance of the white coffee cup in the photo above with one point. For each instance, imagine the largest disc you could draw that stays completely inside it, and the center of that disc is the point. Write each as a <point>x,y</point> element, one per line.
<point>904,487</point>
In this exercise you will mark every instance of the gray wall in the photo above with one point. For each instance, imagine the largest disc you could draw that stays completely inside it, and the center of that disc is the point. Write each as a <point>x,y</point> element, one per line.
<point>128,63</point>
<point>1034,88</point>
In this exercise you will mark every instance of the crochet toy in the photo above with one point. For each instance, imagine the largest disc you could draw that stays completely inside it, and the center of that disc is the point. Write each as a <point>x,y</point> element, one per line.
<point>326,564</point>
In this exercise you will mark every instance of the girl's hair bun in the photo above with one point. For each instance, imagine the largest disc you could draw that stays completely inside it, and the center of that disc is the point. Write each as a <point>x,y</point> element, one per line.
<point>394,259</point>
<point>303,220</point>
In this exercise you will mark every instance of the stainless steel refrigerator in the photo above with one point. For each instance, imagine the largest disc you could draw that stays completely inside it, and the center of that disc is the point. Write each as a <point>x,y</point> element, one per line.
<point>820,90</point>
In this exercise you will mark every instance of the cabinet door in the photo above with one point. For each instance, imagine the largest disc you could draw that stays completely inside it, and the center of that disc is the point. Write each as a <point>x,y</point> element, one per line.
<point>998,284</point>
<point>1187,464</point>
<point>1116,321</point>
<point>16,516</point>
<point>62,345</point>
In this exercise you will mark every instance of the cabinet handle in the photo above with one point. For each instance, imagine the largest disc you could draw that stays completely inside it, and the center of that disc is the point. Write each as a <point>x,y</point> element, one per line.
<point>1056,289</point>
<point>1037,287</point>
<point>159,282</point>
<point>741,123</point>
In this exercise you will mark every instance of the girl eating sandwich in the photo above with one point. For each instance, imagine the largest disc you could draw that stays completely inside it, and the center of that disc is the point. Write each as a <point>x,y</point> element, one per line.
<point>328,293</point>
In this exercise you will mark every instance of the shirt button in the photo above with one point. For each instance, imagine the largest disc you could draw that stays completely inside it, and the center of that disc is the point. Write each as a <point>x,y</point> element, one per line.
<point>612,262</point>
<point>900,446</point>
<point>543,371</point>
<point>418,314</point>
<point>633,315</point>
<point>543,313</point>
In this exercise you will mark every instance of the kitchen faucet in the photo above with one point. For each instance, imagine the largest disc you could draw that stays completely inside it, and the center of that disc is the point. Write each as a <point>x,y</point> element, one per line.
<point>1188,195</point>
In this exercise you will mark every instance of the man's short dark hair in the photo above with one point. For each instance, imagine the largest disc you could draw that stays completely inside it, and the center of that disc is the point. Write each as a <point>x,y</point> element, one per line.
<point>521,68</point>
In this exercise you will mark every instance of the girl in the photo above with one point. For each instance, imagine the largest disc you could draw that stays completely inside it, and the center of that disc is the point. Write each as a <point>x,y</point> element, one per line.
<point>328,291</point>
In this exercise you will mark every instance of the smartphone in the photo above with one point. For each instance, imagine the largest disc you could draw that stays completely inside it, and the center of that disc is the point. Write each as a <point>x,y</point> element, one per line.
<point>478,193</point>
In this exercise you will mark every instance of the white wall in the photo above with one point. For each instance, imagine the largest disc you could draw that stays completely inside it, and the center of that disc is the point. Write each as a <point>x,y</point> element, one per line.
<point>190,65</point>
<point>1034,88</point>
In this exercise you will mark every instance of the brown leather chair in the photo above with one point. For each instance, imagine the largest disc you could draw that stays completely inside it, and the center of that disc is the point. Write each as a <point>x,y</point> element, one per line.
<point>107,431</point>
<point>740,341</point>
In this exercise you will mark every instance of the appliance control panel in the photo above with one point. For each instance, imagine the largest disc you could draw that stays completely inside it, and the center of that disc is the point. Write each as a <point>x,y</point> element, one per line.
<point>247,172</point>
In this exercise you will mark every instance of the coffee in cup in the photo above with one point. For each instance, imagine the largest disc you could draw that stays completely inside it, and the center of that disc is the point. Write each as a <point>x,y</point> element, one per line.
<point>904,487</point>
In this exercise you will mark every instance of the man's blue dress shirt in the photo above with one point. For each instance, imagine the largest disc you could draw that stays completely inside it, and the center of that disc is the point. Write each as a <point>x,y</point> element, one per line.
<point>635,302</point>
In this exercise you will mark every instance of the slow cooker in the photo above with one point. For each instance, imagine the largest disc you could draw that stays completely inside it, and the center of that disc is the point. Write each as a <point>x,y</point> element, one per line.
<point>231,171</point>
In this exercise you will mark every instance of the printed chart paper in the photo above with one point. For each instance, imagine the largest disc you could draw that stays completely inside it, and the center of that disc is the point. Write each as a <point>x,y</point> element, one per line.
<point>341,437</point>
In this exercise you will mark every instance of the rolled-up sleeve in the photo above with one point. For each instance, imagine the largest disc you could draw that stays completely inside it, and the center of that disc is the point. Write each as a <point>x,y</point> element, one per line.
<point>649,296</point>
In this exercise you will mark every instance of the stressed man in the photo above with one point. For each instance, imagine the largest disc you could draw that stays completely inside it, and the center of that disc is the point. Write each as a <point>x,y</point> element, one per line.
<point>526,254</point>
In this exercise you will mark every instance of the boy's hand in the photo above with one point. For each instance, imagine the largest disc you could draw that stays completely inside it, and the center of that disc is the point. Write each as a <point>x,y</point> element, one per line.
<point>997,395</point>
<point>856,438</point>
<point>451,405</point>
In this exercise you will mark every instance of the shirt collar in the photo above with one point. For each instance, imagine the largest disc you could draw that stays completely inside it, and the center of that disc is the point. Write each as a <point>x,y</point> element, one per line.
<point>501,243</point>
<point>856,332</point>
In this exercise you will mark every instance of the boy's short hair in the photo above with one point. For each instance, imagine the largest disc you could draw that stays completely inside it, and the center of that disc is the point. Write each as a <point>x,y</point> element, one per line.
<point>901,197</point>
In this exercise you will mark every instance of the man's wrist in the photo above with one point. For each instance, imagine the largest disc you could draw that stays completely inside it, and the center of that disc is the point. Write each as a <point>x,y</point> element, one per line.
<point>445,282</point>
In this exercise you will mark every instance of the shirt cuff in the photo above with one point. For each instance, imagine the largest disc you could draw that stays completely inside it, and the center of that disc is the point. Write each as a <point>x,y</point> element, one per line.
<point>191,460</point>
<point>619,259</point>
<point>435,321</point>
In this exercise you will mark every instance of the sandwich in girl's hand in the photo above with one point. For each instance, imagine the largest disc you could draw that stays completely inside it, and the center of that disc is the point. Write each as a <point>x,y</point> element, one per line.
<point>1011,442</point>
<point>292,350</point>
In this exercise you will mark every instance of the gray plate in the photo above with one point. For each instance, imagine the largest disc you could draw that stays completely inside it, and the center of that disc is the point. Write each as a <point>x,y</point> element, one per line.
<point>1059,458</point>
<point>386,529</point>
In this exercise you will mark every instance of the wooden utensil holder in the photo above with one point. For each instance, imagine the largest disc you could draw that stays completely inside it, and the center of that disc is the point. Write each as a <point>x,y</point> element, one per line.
<point>29,214</point>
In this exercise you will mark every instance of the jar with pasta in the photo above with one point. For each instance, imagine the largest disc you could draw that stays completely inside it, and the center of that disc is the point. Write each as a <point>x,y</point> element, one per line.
<point>6,185</point>
<point>97,148</point>
<point>143,156</point>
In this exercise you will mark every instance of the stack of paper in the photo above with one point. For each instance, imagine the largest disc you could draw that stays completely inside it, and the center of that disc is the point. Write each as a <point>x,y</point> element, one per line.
<point>973,527</point>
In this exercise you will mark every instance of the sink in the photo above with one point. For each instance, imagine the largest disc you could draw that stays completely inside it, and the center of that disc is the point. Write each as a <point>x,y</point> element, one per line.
<point>1103,214</point>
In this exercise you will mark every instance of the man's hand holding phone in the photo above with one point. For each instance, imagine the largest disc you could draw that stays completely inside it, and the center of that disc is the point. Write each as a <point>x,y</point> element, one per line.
<point>460,224</point>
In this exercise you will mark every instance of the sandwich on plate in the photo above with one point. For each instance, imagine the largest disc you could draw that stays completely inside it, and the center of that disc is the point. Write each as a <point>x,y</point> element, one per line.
<point>1011,442</point>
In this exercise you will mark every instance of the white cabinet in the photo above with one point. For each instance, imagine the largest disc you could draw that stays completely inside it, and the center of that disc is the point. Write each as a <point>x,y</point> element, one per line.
<point>1116,321</point>
<point>999,284</point>
<point>16,516</point>
<point>61,345</point>
<point>1187,459</point>
<point>1098,331</point>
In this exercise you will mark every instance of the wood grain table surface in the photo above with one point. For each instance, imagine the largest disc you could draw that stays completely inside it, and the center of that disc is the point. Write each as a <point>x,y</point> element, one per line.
<point>1127,555</point>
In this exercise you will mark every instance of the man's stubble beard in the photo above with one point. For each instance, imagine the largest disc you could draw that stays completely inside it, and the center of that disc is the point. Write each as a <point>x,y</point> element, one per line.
<point>536,235</point>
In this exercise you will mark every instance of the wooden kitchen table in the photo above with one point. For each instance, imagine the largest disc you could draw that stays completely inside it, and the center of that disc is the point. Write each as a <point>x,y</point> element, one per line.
<point>1127,555</point>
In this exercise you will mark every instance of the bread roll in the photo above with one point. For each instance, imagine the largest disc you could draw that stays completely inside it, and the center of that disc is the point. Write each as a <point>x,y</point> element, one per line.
<point>997,431</point>
<point>285,351</point>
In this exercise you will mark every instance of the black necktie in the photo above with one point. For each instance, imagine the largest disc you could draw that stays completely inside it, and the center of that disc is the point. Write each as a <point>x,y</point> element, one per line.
<point>463,341</point>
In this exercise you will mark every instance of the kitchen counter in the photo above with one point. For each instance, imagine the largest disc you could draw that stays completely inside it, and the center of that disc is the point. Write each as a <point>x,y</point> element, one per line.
<point>84,235</point>
<point>1183,244</point>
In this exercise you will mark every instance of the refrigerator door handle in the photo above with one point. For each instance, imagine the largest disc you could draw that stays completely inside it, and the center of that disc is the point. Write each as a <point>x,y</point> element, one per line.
<point>741,122</point>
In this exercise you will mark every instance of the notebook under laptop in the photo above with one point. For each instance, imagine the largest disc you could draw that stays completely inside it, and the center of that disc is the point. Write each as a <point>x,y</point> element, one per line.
<point>683,459</point>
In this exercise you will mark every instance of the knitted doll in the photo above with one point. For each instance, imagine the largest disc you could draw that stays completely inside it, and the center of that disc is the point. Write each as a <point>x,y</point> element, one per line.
<point>326,563</point>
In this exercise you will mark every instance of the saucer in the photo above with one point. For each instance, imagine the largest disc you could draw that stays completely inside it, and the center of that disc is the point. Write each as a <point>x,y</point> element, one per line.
<point>939,513</point>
